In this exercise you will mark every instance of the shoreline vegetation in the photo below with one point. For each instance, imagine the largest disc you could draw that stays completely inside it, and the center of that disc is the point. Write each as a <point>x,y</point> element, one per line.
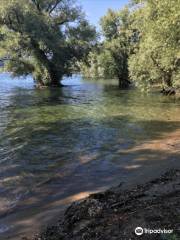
<point>114,214</point>
<point>138,44</point>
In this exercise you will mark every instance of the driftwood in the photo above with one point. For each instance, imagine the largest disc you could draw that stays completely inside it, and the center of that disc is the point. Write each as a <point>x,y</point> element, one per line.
<point>168,91</point>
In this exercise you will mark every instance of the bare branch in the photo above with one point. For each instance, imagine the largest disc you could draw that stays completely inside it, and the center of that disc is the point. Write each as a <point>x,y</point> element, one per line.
<point>52,8</point>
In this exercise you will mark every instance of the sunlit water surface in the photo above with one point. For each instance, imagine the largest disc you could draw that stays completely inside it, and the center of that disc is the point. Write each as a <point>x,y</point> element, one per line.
<point>58,143</point>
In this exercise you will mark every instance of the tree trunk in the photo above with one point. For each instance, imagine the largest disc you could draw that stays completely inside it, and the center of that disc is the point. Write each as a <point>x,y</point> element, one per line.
<point>54,79</point>
<point>123,76</point>
<point>168,79</point>
<point>123,73</point>
<point>123,83</point>
<point>168,85</point>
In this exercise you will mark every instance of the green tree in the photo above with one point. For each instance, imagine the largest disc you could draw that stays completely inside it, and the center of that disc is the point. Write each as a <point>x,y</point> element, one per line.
<point>157,57</point>
<point>111,58</point>
<point>98,64</point>
<point>116,26</point>
<point>43,38</point>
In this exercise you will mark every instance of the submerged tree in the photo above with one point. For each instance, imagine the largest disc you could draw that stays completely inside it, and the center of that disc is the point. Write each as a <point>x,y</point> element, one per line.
<point>157,57</point>
<point>115,26</point>
<point>43,38</point>
<point>111,58</point>
<point>141,44</point>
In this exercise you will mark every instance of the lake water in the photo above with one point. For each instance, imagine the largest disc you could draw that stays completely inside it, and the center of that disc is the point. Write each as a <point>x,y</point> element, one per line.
<point>59,145</point>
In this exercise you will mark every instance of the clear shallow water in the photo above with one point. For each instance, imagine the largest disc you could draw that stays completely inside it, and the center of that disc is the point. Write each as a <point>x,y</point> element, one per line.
<point>56,143</point>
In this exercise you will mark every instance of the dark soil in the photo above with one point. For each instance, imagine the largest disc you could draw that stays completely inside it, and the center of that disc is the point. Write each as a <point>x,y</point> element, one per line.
<point>114,214</point>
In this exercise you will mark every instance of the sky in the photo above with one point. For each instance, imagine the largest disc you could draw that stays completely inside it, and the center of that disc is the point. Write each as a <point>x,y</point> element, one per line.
<point>95,9</point>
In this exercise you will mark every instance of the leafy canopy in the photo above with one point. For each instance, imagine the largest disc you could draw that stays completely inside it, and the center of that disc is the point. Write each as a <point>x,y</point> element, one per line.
<point>43,38</point>
<point>111,59</point>
<point>157,57</point>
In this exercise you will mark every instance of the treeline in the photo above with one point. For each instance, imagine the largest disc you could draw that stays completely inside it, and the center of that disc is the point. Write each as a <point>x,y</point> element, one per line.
<point>43,38</point>
<point>51,39</point>
<point>141,45</point>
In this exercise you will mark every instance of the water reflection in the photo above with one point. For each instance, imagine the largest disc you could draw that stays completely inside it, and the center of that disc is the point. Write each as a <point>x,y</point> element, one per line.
<point>59,144</point>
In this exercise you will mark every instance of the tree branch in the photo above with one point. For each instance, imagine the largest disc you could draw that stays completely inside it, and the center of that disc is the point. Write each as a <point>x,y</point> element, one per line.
<point>36,3</point>
<point>52,8</point>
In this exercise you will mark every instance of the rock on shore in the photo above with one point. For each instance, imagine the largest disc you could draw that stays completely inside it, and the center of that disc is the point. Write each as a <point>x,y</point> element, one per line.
<point>114,214</point>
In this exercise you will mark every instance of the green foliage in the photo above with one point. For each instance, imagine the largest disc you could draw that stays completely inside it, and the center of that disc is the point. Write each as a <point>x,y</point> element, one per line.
<point>99,64</point>
<point>110,24</point>
<point>141,43</point>
<point>46,38</point>
<point>157,56</point>
<point>111,57</point>
<point>43,38</point>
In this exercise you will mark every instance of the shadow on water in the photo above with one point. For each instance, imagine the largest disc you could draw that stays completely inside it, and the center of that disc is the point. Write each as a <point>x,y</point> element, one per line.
<point>59,146</point>
<point>91,158</point>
